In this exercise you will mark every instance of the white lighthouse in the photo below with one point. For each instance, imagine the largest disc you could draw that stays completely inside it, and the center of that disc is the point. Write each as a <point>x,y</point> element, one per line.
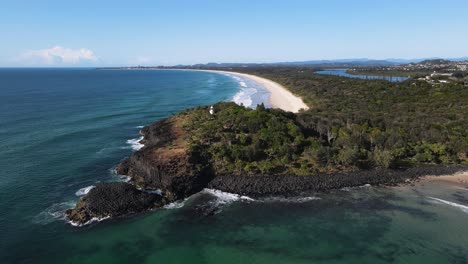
<point>211,110</point>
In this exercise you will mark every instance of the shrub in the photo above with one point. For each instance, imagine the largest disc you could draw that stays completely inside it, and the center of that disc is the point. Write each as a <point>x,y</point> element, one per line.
<point>382,158</point>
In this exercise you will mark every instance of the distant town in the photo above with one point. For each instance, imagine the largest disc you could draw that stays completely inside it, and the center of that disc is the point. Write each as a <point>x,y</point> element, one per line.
<point>435,72</point>
<point>433,65</point>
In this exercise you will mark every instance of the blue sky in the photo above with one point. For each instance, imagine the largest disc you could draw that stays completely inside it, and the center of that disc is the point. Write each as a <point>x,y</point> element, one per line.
<point>168,32</point>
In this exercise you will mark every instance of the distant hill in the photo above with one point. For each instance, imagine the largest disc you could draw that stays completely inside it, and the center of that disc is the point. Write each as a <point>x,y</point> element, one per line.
<point>358,62</point>
<point>345,63</point>
<point>338,63</point>
<point>420,60</point>
<point>316,63</point>
<point>435,62</point>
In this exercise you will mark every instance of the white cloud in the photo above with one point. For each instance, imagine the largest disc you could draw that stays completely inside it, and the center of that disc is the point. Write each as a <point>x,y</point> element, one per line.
<point>57,55</point>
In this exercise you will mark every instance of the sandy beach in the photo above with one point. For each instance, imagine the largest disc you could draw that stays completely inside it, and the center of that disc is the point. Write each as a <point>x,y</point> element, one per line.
<point>460,178</point>
<point>280,97</point>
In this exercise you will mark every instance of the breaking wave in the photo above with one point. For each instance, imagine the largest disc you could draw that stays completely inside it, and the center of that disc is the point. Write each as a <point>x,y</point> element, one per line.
<point>94,219</point>
<point>53,213</point>
<point>84,191</point>
<point>118,177</point>
<point>250,94</point>
<point>135,143</point>
<point>175,205</point>
<point>223,198</point>
<point>462,207</point>
<point>290,199</point>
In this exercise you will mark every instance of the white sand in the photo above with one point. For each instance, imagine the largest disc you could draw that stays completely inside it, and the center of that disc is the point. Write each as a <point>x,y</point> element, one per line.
<point>280,97</point>
<point>460,178</point>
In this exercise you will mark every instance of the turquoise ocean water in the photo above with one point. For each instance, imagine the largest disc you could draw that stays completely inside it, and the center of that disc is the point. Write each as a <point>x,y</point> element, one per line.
<point>62,130</point>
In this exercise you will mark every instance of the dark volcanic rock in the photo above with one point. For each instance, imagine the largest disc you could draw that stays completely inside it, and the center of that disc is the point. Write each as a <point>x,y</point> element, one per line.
<point>113,199</point>
<point>175,171</point>
<point>166,162</point>
<point>291,185</point>
<point>160,133</point>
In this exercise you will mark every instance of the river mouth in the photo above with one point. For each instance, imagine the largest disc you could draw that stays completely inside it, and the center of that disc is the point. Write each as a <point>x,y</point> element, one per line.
<point>344,73</point>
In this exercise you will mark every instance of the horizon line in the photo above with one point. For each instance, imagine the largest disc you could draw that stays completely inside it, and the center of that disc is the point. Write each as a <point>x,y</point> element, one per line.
<point>343,60</point>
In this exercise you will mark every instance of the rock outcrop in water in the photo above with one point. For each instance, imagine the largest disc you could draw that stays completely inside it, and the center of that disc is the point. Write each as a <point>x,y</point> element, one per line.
<point>113,200</point>
<point>249,152</point>
<point>166,168</point>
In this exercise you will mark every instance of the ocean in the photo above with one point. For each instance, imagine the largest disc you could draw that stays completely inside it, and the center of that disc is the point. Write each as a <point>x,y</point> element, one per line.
<point>64,130</point>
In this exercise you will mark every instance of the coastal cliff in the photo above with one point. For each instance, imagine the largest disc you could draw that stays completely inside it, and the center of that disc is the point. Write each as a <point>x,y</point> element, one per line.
<point>164,170</point>
<point>167,161</point>
<point>258,152</point>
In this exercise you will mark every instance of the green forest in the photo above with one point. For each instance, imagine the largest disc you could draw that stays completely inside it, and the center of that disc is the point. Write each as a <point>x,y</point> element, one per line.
<point>351,124</point>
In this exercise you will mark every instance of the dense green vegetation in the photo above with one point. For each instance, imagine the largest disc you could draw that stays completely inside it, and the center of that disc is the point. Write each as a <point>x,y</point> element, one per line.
<point>239,140</point>
<point>352,124</point>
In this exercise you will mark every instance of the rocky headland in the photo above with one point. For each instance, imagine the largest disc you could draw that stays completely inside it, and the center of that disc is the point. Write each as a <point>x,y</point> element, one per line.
<point>262,152</point>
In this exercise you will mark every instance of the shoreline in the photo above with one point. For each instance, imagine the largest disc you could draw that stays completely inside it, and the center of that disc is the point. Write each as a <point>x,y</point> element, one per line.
<point>459,178</point>
<point>166,170</point>
<point>279,97</point>
<point>139,200</point>
<point>169,165</point>
<point>293,185</point>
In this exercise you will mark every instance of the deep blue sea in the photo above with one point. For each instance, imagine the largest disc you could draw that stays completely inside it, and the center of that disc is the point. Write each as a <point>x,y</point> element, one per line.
<point>62,130</point>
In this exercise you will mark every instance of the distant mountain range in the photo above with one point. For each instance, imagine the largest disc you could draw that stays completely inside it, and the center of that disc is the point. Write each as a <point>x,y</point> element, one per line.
<point>358,62</point>
<point>404,61</point>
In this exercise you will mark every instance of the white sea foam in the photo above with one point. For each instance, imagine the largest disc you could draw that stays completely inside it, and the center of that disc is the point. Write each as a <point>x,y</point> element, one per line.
<point>124,178</point>
<point>464,208</point>
<point>117,177</point>
<point>135,143</point>
<point>225,197</point>
<point>237,78</point>
<point>347,189</point>
<point>53,213</point>
<point>175,205</point>
<point>84,191</point>
<point>244,97</point>
<point>250,94</point>
<point>291,199</point>
<point>139,127</point>
<point>92,220</point>
<point>307,199</point>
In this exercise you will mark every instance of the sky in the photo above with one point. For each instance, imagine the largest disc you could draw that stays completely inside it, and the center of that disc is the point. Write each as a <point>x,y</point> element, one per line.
<point>170,32</point>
